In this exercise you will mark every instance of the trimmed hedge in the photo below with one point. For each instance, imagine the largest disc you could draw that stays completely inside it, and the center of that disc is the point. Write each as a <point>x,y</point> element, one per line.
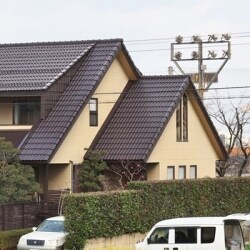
<point>110,214</point>
<point>9,239</point>
<point>201,197</point>
<point>101,214</point>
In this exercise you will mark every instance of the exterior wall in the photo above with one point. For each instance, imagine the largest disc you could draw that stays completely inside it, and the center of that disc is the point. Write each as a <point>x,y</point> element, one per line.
<point>153,171</point>
<point>124,242</point>
<point>59,177</point>
<point>6,113</point>
<point>81,134</point>
<point>199,149</point>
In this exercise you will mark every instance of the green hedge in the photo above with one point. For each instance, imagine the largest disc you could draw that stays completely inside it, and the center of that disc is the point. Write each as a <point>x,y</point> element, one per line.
<point>138,209</point>
<point>9,239</point>
<point>101,215</point>
<point>202,197</point>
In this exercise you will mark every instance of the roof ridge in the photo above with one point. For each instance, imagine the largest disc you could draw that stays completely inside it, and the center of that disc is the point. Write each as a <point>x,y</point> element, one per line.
<point>60,42</point>
<point>163,76</point>
<point>68,66</point>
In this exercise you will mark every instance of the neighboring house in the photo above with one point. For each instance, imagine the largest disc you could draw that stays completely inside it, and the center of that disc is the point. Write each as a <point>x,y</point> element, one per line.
<point>58,99</point>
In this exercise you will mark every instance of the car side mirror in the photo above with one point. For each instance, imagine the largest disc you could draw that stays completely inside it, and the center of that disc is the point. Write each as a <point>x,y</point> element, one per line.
<point>34,228</point>
<point>148,240</point>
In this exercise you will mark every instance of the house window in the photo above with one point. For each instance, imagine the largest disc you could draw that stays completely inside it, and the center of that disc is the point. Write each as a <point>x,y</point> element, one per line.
<point>185,118</point>
<point>178,123</point>
<point>182,172</point>
<point>26,113</point>
<point>182,119</point>
<point>93,112</point>
<point>193,172</point>
<point>170,173</point>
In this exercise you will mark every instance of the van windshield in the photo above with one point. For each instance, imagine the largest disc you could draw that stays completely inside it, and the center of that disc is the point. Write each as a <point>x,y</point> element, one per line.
<point>233,235</point>
<point>159,236</point>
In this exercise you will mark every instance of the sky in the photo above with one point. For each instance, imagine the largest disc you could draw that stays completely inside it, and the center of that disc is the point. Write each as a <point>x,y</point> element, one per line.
<point>148,27</point>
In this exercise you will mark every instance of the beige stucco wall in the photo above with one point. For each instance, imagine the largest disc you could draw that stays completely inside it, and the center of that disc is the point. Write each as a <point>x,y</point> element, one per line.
<point>197,151</point>
<point>81,134</point>
<point>6,113</point>
<point>59,177</point>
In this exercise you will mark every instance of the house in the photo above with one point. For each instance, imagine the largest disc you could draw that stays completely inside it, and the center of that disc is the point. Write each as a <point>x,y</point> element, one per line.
<point>58,99</point>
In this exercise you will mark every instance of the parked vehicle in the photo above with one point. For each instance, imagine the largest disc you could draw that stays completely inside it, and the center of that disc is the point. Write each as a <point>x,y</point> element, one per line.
<point>194,233</point>
<point>50,235</point>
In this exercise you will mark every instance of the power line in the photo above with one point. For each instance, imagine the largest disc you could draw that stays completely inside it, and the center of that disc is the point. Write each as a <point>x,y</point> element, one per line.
<point>235,35</point>
<point>182,48</point>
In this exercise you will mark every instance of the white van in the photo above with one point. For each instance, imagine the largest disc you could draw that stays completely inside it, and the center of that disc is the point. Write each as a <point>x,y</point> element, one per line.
<point>194,233</point>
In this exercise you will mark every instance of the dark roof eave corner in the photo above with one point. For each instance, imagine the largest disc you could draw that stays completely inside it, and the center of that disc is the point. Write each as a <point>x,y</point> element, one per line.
<point>32,162</point>
<point>144,158</point>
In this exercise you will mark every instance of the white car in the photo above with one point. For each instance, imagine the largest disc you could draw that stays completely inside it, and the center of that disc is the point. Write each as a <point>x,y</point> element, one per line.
<point>50,235</point>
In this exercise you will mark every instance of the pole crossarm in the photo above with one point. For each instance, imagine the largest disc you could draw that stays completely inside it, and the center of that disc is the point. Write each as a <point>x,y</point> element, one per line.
<point>203,52</point>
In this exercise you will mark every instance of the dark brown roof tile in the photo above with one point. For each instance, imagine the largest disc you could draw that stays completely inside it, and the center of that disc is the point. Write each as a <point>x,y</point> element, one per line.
<point>140,118</point>
<point>50,132</point>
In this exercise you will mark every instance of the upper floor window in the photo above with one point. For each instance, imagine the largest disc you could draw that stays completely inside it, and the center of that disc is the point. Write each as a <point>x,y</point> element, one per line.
<point>26,113</point>
<point>182,119</point>
<point>93,112</point>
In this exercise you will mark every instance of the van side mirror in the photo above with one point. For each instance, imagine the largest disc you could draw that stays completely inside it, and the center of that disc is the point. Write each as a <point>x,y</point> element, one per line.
<point>34,228</point>
<point>148,240</point>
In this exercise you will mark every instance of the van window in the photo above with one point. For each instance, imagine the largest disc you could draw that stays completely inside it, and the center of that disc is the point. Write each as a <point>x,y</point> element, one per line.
<point>233,234</point>
<point>159,236</point>
<point>207,234</point>
<point>185,235</point>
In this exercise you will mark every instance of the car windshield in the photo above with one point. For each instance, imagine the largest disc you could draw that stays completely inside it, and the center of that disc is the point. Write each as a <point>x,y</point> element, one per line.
<point>51,226</point>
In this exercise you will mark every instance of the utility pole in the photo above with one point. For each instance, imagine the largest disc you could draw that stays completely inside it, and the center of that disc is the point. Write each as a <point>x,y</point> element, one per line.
<point>203,79</point>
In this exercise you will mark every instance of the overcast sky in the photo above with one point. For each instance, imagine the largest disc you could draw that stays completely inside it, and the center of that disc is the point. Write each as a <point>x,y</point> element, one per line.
<point>133,20</point>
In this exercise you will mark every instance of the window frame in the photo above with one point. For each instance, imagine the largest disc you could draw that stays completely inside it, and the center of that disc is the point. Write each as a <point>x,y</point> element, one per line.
<point>93,112</point>
<point>195,172</point>
<point>185,172</point>
<point>173,172</point>
<point>26,112</point>
<point>178,123</point>
<point>182,119</point>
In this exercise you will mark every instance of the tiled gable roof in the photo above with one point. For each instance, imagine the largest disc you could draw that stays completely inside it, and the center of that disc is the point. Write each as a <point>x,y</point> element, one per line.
<point>44,139</point>
<point>141,117</point>
<point>35,66</point>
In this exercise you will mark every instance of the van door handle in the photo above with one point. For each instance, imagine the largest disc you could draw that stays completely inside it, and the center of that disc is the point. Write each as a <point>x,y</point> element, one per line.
<point>175,248</point>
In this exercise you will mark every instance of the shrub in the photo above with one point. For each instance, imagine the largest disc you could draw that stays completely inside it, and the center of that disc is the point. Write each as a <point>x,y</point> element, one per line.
<point>9,238</point>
